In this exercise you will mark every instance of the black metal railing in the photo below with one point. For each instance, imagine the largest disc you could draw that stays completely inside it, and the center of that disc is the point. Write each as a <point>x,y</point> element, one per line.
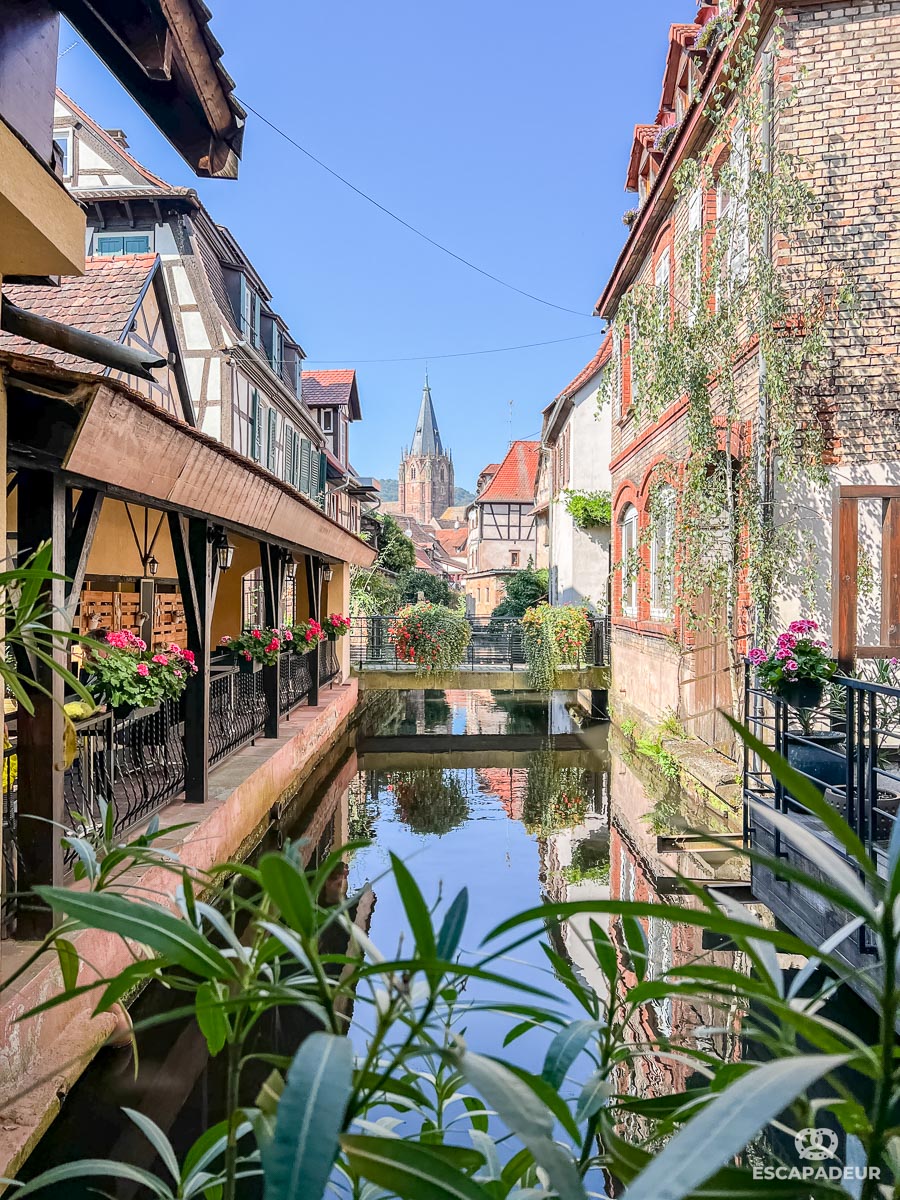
<point>495,642</point>
<point>848,746</point>
<point>295,680</point>
<point>329,666</point>
<point>237,710</point>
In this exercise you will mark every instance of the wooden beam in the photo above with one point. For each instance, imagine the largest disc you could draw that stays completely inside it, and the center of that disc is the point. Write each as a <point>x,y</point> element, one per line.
<point>81,527</point>
<point>272,561</point>
<point>41,803</point>
<point>869,491</point>
<point>196,578</point>
<point>845,568</point>
<point>314,596</point>
<point>890,571</point>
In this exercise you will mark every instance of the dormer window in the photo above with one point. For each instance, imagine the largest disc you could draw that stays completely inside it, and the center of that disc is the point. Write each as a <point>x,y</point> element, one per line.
<point>63,139</point>
<point>327,419</point>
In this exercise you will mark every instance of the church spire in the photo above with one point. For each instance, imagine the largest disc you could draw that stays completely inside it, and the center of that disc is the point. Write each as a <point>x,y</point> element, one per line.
<point>426,440</point>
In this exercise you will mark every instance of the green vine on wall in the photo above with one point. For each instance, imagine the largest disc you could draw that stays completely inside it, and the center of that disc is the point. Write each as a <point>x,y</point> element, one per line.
<point>748,280</point>
<point>589,509</point>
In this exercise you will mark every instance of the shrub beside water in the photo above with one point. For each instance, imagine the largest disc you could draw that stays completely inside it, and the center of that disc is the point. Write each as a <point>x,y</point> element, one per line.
<point>429,636</point>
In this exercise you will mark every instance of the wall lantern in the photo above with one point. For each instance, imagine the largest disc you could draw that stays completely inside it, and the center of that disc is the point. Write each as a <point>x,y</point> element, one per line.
<point>290,565</point>
<point>328,574</point>
<point>224,551</point>
<point>152,565</point>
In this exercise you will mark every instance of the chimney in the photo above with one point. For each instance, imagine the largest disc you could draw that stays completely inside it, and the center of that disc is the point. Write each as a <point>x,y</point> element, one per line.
<point>118,136</point>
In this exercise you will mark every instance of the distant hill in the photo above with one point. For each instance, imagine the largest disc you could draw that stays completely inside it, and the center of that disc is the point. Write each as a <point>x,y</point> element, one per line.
<point>390,491</point>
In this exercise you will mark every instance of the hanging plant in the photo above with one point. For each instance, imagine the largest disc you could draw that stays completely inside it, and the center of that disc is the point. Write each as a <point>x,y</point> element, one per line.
<point>429,636</point>
<point>258,645</point>
<point>553,636</point>
<point>125,675</point>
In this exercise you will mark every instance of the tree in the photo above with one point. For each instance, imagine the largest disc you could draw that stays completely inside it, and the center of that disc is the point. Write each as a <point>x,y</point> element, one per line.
<point>523,590</point>
<point>434,587</point>
<point>395,550</point>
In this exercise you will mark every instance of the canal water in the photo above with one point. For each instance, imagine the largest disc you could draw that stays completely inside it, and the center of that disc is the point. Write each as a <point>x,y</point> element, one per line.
<point>515,797</point>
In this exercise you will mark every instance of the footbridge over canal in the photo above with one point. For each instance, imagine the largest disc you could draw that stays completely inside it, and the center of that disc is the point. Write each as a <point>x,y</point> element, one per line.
<point>495,660</point>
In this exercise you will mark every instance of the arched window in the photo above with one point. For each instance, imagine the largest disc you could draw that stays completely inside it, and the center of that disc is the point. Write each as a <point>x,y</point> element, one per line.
<point>412,472</point>
<point>630,560</point>
<point>662,553</point>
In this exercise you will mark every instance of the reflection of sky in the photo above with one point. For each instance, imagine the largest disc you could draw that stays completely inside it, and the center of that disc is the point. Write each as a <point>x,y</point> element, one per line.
<point>498,862</point>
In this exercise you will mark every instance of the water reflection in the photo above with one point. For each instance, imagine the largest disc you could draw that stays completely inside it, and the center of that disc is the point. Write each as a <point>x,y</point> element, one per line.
<point>552,818</point>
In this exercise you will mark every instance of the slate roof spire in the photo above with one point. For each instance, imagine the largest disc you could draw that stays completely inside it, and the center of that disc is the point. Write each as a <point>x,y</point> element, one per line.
<point>426,440</point>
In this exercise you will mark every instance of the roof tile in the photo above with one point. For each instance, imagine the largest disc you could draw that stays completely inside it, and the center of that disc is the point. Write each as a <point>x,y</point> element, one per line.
<point>516,475</point>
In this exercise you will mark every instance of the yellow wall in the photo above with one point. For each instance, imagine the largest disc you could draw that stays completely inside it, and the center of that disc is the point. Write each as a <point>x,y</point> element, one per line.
<point>229,595</point>
<point>41,226</point>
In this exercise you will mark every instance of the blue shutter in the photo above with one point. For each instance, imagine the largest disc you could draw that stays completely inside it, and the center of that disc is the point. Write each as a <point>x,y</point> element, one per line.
<point>255,426</point>
<point>272,444</point>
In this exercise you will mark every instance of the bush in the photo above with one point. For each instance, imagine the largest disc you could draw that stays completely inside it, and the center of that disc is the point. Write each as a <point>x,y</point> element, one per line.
<point>589,509</point>
<point>434,588</point>
<point>553,636</point>
<point>431,637</point>
<point>372,593</point>
<point>395,550</point>
<point>430,801</point>
<point>523,590</point>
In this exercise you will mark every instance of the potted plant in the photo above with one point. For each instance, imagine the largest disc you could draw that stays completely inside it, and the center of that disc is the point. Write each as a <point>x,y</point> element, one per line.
<point>336,625</point>
<point>120,676</point>
<point>307,635</point>
<point>257,648</point>
<point>797,671</point>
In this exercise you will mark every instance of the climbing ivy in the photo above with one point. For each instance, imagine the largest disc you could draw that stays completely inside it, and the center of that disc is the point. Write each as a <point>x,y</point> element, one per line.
<point>589,509</point>
<point>735,294</point>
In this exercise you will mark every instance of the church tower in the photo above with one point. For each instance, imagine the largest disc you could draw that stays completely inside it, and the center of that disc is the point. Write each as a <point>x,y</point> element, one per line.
<point>426,468</point>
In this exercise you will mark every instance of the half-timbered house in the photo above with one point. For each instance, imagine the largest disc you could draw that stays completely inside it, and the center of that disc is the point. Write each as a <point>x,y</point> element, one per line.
<point>502,527</point>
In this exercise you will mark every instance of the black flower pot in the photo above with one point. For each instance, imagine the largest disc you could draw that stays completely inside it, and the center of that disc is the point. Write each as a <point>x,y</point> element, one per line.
<point>248,666</point>
<point>887,805</point>
<point>811,755</point>
<point>802,693</point>
<point>123,711</point>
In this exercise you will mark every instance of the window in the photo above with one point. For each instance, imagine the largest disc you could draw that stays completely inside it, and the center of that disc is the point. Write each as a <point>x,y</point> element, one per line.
<point>135,243</point>
<point>662,279</point>
<point>412,472</point>
<point>255,447</point>
<point>327,419</point>
<point>695,253</point>
<point>630,561</point>
<point>63,139</point>
<point>662,554</point>
<point>514,558</point>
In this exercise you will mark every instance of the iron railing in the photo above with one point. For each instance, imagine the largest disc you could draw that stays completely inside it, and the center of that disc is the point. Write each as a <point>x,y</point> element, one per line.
<point>329,667</point>
<point>295,680</point>
<point>849,747</point>
<point>238,710</point>
<point>495,642</point>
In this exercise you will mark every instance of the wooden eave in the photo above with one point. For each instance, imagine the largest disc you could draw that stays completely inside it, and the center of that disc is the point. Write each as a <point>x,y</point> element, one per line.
<point>693,132</point>
<point>102,434</point>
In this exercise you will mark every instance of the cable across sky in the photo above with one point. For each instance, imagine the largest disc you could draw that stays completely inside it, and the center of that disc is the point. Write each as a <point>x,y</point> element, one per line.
<point>406,224</point>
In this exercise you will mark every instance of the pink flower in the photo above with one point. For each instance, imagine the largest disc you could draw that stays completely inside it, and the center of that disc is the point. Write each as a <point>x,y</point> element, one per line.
<point>782,653</point>
<point>255,633</point>
<point>223,641</point>
<point>161,659</point>
<point>801,627</point>
<point>143,669</point>
<point>787,639</point>
<point>791,665</point>
<point>895,662</point>
<point>140,643</point>
<point>188,656</point>
<point>178,673</point>
<point>247,655</point>
<point>757,656</point>
<point>174,648</point>
<point>288,636</point>
<point>309,636</point>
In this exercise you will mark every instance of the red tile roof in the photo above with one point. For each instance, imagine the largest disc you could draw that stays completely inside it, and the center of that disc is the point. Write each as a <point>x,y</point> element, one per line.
<point>586,374</point>
<point>453,540</point>
<point>103,301</point>
<point>516,475</point>
<point>331,388</point>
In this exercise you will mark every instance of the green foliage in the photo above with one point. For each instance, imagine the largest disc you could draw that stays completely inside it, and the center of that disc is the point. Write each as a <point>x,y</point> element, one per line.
<point>259,644</point>
<point>790,304</point>
<point>395,550</point>
<point>589,509</point>
<point>524,589</point>
<point>429,636</point>
<point>553,636</point>
<point>430,800</point>
<point>556,797</point>
<point>390,1111</point>
<point>628,726</point>
<point>372,593</point>
<point>651,747</point>
<point>435,588</point>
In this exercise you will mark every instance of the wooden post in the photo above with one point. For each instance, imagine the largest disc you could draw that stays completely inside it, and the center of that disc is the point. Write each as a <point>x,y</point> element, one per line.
<point>845,588</point>
<point>272,560</point>
<point>197,578</point>
<point>42,515</point>
<point>890,571</point>
<point>314,593</point>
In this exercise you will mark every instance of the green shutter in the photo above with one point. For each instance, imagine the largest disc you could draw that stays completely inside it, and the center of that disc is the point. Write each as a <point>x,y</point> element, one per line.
<point>305,457</point>
<point>272,442</point>
<point>320,496</point>
<point>288,453</point>
<point>255,427</point>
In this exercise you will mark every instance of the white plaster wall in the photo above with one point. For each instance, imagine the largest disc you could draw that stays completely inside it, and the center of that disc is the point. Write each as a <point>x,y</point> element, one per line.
<point>581,557</point>
<point>807,590</point>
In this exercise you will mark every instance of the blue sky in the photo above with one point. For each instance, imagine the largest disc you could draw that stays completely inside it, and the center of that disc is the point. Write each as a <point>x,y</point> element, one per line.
<point>502,129</point>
